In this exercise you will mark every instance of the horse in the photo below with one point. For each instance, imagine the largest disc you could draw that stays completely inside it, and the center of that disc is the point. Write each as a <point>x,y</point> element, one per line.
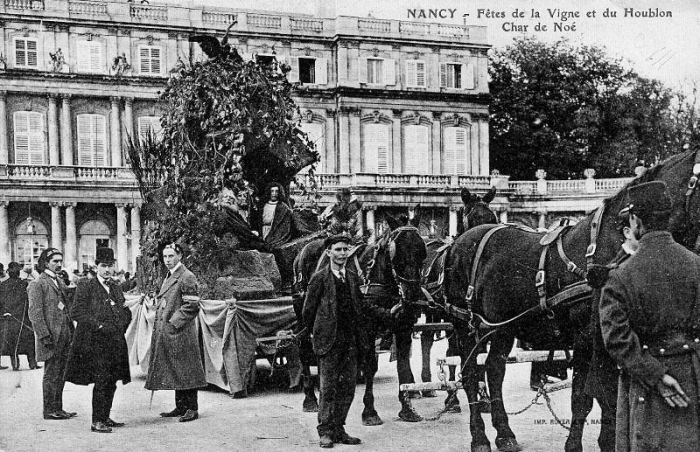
<point>499,284</point>
<point>390,269</point>
<point>476,212</point>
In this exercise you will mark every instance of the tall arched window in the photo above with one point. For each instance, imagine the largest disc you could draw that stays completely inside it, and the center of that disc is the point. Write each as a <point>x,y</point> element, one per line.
<point>376,148</point>
<point>92,140</point>
<point>456,147</point>
<point>417,149</point>
<point>29,138</point>
<point>93,234</point>
<point>316,134</point>
<point>28,247</point>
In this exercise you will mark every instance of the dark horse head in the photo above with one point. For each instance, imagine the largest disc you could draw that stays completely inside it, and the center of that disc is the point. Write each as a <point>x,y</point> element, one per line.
<point>394,262</point>
<point>476,209</point>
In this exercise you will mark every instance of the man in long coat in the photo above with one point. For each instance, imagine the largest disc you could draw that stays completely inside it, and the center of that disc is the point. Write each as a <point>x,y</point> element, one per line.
<point>650,323</point>
<point>176,362</point>
<point>53,330</point>
<point>18,335</point>
<point>99,353</point>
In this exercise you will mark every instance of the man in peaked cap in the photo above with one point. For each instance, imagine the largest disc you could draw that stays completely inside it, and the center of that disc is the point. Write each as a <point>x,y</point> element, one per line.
<point>650,323</point>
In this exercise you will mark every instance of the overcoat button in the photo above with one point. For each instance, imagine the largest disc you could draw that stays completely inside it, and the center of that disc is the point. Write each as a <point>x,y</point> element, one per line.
<point>662,351</point>
<point>686,346</point>
<point>641,399</point>
<point>645,347</point>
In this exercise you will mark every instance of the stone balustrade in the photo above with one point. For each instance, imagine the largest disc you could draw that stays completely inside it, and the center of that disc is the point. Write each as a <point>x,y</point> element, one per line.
<point>204,17</point>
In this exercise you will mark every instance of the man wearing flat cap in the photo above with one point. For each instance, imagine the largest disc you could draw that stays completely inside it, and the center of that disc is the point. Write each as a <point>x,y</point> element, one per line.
<point>650,324</point>
<point>49,304</point>
<point>99,352</point>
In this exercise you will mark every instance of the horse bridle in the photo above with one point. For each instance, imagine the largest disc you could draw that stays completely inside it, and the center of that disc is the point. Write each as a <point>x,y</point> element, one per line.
<point>692,187</point>
<point>389,243</point>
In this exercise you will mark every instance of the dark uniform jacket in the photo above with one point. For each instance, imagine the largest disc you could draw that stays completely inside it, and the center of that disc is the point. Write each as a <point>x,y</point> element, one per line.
<point>650,324</point>
<point>16,336</point>
<point>99,346</point>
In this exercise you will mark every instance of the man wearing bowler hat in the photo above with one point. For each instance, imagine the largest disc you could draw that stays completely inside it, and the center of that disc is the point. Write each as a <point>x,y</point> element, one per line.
<point>53,330</point>
<point>650,324</point>
<point>99,353</point>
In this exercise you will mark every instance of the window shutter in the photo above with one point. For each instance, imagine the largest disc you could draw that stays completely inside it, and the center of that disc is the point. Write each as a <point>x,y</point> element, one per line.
<point>100,147</point>
<point>84,141</point>
<point>376,148</point>
<point>449,157</point>
<point>362,69</point>
<point>155,60</point>
<point>416,146</point>
<point>149,125</point>
<point>21,124</point>
<point>420,74</point>
<point>294,73</point>
<point>389,72</point>
<point>83,60</point>
<point>460,154</point>
<point>31,53</point>
<point>443,75</point>
<point>36,138</point>
<point>95,57</point>
<point>467,76</point>
<point>382,149</point>
<point>321,69</point>
<point>144,60</point>
<point>411,77</point>
<point>20,52</point>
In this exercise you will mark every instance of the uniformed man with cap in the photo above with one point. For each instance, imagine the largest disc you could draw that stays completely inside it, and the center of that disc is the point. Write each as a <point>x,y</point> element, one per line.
<point>650,323</point>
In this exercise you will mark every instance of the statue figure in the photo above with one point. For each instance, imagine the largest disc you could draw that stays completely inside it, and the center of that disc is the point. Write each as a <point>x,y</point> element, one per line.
<point>120,65</point>
<point>342,218</point>
<point>57,61</point>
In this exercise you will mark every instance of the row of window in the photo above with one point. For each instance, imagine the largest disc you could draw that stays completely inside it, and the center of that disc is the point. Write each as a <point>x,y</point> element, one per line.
<point>376,147</point>
<point>310,70</point>
<point>30,137</point>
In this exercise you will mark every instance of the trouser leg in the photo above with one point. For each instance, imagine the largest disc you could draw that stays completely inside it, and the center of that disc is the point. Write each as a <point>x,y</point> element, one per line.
<point>102,398</point>
<point>50,384</point>
<point>328,371</point>
<point>186,399</point>
<point>347,379</point>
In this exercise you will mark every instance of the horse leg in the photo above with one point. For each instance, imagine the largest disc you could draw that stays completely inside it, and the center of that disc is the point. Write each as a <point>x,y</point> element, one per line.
<point>403,368</point>
<point>581,405</point>
<point>470,383</point>
<point>608,413</point>
<point>370,364</point>
<point>426,343</point>
<point>501,345</point>
<point>310,401</point>
<point>453,349</point>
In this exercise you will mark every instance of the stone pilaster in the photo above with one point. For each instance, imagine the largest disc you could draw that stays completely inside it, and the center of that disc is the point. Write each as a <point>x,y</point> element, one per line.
<point>115,133</point>
<point>135,235</point>
<point>4,234</point>
<point>397,152</point>
<point>355,152</point>
<point>4,153</point>
<point>128,120</point>
<point>122,246</point>
<point>53,131</point>
<point>56,236</point>
<point>66,131</point>
<point>70,260</point>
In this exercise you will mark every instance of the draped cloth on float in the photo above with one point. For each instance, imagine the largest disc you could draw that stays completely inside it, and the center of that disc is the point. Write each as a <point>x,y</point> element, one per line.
<point>228,331</point>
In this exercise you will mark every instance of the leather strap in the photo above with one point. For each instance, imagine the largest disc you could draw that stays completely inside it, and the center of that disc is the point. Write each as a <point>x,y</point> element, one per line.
<point>595,231</point>
<point>477,257</point>
<point>570,265</point>
<point>541,282</point>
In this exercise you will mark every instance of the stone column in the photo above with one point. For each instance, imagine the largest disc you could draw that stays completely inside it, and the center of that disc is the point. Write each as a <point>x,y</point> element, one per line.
<point>542,223</point>
<point>436,161</point>
<point>344,141</point>
<point>343,63</point>
<point>328,162</point>
<point>355,151</point>
<point>484,146</point>
<point>369,220</point>
<point>135,235</point>
<point>452,229</point>
<point>122,249</point>
<point>66,131</point>
<point>56,236</point>
<point>4,153</point>
<point>128,120</point>
<point>115,133</point>
<point>71,250</point>
<point>53,131</point>
<point>4,234</point>
<point>503,217</point>
<point>396,152</point>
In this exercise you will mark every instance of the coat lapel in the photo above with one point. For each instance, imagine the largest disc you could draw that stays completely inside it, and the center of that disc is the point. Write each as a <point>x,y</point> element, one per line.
<point>171,279</point>
<point>49,281</point>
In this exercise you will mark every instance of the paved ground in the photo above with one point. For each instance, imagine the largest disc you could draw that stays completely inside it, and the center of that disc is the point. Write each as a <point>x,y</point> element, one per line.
<point>268,420</point>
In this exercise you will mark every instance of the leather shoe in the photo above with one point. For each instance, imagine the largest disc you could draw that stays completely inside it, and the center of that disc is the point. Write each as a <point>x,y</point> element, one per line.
<point>68,413</point>
<point>56,416</point>
<point>325,441</point>
<point>100,427</point>
<point>174,413</point>
<point>190,415</point>
<point>3,367</point>
<point>111,423</point>
<point>344,438</point>
<point>35,366</point>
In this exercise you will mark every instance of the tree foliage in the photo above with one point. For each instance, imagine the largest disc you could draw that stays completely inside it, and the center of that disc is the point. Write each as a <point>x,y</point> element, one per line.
<point>227,122</point>
<point>564,109</point>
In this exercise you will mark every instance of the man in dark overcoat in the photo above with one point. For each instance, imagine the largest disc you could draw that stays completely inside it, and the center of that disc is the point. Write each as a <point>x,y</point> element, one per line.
<point>176,361</point>
<point>49,304</point>
<point>18,335</point>
<point>99,353</point>
<point>332,313</point>
<point>650,323</point>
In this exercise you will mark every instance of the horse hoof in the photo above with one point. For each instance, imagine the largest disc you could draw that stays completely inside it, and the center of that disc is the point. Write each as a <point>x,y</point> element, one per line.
<point>429,393</point>
<point>507,445</point>
<point>481,448</point>
<point>573,446</point>
<point>372,420</point>
<point>414,395</point>
<point>453,408</point>
<point>310,406</point>
<point>410,415</point>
